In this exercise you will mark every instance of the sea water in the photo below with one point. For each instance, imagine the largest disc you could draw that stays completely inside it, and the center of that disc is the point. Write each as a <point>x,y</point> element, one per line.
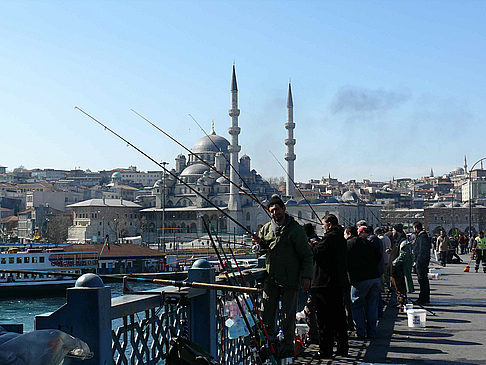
<point>24,310</point>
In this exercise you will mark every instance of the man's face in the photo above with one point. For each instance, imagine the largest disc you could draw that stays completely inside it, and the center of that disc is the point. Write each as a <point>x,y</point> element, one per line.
<point>326,226</point>
<point>442,233</point>
<point>277,213</point>
<point>347,234</point>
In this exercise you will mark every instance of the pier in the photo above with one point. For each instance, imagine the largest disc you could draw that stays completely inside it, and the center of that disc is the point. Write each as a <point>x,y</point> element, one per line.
<point>138,328</point>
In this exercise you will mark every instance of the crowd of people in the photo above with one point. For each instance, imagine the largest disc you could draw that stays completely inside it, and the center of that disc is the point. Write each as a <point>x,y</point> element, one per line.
<point>346,272</point>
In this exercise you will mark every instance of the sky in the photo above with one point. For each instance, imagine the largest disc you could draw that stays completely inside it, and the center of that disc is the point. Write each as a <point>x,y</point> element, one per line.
<point>381,89</point>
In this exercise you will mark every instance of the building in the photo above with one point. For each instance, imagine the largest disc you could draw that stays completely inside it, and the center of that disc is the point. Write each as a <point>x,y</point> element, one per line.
<point>95,219</point>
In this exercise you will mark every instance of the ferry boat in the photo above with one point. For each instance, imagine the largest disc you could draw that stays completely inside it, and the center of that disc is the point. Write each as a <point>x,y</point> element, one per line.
<point>25,272</point>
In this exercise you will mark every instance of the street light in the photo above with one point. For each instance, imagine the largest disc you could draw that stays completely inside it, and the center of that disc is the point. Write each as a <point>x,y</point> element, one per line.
<point>470,189</point>
<point>163,163</point>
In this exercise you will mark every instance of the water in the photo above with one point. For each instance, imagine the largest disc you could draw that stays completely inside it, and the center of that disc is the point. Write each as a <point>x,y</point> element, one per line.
<point>24,310</point>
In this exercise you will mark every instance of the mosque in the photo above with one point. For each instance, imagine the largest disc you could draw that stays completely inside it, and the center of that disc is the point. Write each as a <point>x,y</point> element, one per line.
<point>179,209</point>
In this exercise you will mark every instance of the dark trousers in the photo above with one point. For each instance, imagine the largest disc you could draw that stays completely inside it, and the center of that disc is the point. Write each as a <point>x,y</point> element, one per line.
<point>331,319</point>
<point>422,268</point>
<point>443,257</point>
<point>480,256</point>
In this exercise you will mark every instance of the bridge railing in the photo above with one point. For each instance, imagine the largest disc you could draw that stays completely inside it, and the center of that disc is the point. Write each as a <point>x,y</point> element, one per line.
<point>137,328</point>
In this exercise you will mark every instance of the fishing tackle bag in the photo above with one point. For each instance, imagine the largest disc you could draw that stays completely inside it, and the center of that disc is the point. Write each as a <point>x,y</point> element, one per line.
<point>184,352</point>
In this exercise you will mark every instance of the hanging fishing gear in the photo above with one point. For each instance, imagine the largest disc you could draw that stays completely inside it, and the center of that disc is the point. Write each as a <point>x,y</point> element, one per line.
<point>262,330</point>
<point>245,229</point>
<point>251,330</point>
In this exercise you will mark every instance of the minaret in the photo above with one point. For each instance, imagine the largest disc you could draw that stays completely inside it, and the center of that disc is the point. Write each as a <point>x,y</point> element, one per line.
<point>290,143</point>
<point>234,203</point>
<point>431,172</point>
<point>465,165</point>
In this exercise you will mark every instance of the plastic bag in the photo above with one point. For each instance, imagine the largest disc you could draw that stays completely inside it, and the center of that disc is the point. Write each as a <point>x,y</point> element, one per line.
<point>42,347</point>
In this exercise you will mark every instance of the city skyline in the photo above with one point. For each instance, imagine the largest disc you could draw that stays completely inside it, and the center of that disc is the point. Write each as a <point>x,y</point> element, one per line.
<point>380,90</point>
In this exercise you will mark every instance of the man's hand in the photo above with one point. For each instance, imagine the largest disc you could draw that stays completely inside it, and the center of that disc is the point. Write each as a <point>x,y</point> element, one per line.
<point>306,284</point>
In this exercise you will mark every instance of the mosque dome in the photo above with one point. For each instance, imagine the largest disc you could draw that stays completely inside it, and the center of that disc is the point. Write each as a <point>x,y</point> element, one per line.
<point>195,169</point>
<point>317,201</point>
<point>349,197</point>
<point>211,143</point>
<point>458,171</point>
<point>302,202</point>
<point>438,205</point>
<point>221,180</point>
<point>116,175</point>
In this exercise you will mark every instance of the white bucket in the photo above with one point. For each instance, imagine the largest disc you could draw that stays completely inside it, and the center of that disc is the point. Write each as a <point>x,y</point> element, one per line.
<point>433,275</point>
<point>416,317</point>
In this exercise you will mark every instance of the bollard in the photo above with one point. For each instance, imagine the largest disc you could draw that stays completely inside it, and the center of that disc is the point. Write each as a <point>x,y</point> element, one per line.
<point>203,308</point>
<point>86,315</point>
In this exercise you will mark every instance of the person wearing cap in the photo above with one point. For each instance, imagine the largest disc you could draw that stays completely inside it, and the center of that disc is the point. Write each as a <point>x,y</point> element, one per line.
<point>289,267</point>
<point>365,278</point>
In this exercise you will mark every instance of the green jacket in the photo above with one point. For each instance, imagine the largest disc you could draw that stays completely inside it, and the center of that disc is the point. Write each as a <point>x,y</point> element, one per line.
<point>405,260</point>
<point>289,256</point>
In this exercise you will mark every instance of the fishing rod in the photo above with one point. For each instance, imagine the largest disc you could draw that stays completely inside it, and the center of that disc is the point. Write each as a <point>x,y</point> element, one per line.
<point>232,167</point>
<point>166,170</point>
<point>240,307</point>
<point>244,284</point>
<point>176,283</point>
<point>201,159</point>
<point>300,191</point>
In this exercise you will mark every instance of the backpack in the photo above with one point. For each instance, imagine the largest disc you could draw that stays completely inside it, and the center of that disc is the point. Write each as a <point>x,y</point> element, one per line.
<point>184,352</point>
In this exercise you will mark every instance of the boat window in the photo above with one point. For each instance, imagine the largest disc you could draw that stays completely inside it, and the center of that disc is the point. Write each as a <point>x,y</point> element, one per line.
<point>26,260</point>
<point>34,260</point>
<point>41,259</point>
<point>10,260</point>
<point>3,261</point>
<point>19,260</point>
<point>19,275</point>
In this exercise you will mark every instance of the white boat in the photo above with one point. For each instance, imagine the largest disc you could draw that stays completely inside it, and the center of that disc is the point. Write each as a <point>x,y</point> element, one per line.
<point>38,271</point>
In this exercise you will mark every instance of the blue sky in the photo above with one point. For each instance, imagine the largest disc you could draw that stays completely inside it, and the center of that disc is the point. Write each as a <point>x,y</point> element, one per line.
<point>380,89</point>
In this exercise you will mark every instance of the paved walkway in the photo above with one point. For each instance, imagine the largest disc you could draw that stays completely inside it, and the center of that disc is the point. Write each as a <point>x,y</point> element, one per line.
<point>456,334</point>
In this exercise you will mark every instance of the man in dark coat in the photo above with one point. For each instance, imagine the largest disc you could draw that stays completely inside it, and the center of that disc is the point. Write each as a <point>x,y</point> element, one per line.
<point>421,250</point>
<point>328,283</point>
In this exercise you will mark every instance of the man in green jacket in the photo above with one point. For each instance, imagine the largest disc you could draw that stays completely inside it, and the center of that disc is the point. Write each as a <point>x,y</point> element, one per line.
<point>289,267</point>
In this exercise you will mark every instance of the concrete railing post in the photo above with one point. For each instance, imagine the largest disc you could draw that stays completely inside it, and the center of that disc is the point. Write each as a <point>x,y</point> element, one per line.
<point>203,308</point>
<point>87,316</point>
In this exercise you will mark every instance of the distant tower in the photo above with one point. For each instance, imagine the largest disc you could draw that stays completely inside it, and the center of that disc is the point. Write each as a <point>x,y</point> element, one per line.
<point>290,143</point>
<point>431,172</point>
<point>234,198</point>
<point>465,165</point>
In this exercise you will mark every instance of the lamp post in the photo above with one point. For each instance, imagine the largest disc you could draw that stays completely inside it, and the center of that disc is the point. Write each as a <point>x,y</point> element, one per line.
<point>163,163</point>
<point>470,193</point>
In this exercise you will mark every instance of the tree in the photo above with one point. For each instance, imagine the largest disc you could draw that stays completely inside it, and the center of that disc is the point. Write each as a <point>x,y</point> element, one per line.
<point>57,226</point>
<point>276,182</point>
